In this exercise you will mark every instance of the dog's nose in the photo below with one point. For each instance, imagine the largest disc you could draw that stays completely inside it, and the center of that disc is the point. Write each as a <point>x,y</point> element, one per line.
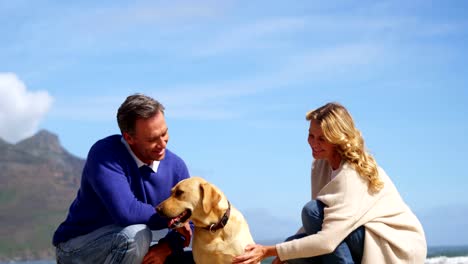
<point>159,210</point>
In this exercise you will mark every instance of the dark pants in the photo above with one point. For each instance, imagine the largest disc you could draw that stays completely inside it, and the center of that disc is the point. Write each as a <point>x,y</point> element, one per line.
<point>348,252</point>
<point>184,257</point>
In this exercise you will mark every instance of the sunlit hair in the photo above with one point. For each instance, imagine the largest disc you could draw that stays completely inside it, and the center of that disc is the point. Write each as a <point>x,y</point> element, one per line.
<point>136,106</point>
<point>339,129</point>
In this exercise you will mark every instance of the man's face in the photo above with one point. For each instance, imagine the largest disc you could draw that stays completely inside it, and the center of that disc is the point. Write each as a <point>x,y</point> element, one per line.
<point>150,138</point>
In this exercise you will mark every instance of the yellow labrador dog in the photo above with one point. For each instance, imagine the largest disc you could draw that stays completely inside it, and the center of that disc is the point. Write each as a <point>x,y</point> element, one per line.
<point>221,231</point>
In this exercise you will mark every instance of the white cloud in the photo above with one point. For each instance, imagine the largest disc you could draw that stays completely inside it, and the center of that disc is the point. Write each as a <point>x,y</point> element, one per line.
<point>20,110</point>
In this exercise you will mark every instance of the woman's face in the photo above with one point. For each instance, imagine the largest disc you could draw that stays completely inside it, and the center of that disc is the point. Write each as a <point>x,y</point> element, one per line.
<point>321,148</point>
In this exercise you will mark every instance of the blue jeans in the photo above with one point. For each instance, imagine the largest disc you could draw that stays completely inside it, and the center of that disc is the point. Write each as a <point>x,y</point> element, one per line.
<point>348,252</point>
<point>113,244</point>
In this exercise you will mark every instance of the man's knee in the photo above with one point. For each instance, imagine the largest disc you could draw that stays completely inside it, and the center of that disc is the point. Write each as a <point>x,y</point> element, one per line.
<point>138,232</point>
<point>134,242</point>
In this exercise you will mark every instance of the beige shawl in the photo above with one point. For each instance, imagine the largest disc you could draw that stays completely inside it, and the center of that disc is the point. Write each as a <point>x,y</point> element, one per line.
<point>393,234</point>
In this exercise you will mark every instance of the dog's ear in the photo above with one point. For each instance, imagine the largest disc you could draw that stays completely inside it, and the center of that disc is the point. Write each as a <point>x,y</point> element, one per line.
<point>210,197</point>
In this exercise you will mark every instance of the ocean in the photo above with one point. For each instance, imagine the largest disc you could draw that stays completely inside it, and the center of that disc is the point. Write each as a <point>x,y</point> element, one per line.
<point>436,255</point>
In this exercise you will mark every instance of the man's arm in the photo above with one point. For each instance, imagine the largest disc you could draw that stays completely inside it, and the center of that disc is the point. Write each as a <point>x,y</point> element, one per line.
<point>109,182</point>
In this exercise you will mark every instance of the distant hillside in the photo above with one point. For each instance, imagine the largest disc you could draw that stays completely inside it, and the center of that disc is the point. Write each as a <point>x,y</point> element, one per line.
<point>38,180</point>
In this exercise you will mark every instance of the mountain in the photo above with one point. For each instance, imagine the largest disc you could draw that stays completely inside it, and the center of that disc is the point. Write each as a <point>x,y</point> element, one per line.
<point>38,181</point>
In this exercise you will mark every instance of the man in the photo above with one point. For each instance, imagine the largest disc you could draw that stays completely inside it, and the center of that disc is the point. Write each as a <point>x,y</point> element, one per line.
<point>124,178</point>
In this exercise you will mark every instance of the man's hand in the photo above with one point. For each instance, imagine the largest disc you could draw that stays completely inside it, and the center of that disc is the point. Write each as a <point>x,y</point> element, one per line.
<point>157,254</point>
<point>185,231</point>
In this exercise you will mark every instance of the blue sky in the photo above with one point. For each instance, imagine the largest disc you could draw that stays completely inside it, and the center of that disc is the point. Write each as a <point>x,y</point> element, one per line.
<point>237,78</point>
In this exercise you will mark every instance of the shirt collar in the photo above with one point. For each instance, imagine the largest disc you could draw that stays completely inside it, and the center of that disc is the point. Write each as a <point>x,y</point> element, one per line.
<point>154,166</point>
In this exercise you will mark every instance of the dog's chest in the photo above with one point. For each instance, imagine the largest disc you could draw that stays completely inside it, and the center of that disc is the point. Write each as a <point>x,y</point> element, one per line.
<point>216,249</point>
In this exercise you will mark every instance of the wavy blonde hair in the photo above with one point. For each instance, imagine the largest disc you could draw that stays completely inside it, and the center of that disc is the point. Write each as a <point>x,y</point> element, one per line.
<point>339,129</point>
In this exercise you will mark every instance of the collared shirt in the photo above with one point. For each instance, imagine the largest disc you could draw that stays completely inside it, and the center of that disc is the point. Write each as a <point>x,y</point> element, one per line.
<point>154,166</point>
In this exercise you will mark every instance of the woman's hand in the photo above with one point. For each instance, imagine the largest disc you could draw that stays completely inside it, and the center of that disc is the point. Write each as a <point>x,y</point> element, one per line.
<point>254,254</point>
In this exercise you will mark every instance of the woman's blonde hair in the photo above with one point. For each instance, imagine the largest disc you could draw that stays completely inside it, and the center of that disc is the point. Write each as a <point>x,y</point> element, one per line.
<point>339,129</point>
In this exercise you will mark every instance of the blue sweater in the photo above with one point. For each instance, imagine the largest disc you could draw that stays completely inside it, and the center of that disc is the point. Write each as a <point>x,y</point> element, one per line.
<point>113,191</point>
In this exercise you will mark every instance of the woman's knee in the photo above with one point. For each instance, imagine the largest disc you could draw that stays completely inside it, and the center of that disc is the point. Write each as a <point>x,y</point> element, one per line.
<point>312,260</point>
<point>312,216</point>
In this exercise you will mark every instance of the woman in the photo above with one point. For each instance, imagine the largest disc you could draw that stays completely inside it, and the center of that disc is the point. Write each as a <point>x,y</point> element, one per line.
<point>356,214</point>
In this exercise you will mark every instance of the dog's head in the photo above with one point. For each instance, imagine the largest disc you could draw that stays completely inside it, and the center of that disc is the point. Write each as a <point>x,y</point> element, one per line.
<point>193,198</point>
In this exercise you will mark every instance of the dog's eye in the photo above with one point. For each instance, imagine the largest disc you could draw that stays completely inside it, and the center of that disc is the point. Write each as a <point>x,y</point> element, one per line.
<point>178,193</point>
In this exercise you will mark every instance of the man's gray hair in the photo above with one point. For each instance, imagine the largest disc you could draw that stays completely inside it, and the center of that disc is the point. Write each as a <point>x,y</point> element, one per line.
<point>136,106</point>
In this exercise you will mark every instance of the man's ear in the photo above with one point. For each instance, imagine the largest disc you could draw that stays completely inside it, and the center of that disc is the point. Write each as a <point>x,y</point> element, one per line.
<point>127,138</point>
<point>210,197</point>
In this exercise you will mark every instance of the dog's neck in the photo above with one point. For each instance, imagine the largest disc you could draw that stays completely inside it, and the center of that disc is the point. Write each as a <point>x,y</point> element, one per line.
<point>212,221</point>
<point>222,222</point>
